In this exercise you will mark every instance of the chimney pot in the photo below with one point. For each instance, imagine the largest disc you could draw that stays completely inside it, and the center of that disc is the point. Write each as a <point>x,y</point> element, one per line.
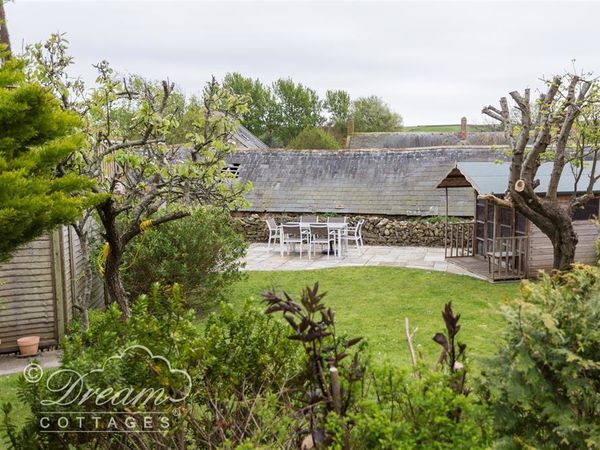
<point>463,129</point>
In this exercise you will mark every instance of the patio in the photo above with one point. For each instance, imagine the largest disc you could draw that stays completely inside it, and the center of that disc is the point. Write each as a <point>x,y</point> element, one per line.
<point>260,259</point>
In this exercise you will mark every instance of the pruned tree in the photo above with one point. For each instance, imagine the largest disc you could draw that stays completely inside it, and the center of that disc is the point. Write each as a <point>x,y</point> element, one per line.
<point>145,181</point>
<point>560,127</point>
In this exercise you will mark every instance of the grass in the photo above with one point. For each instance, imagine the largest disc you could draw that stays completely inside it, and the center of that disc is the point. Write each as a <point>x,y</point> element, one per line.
<point>373,301</point>
<point>8,394</point>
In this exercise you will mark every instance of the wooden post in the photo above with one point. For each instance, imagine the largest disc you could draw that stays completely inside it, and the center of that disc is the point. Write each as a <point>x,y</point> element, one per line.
<point>72,266</point>
<point>58,284</point>
<point>336,390</point>
<point>446,227</point>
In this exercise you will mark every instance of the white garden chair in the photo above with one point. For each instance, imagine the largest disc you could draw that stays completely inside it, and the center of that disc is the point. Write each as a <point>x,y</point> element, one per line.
<point>354,234</point>
<point>320,235</point>
<point>274,232</point>
<point>292,235</point>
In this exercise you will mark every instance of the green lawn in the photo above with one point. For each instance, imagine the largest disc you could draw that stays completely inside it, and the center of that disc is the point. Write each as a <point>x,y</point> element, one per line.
<point>8,393</point>
<point>373,302</point>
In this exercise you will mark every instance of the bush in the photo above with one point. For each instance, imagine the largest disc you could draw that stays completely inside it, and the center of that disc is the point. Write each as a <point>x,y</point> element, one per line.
<point>544,384</point>
<point>314,138</point>
<point>241,367</point>
<point>201,253</point>
<point>408,412</point>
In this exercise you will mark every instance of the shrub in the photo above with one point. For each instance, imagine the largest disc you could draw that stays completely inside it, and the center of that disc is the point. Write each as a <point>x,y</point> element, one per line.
<point>201,253</point>
<point>314,138</point>
<point>544,384</point>
<point>409,412</point>
<point>241,368</point>
<point>249,370</point>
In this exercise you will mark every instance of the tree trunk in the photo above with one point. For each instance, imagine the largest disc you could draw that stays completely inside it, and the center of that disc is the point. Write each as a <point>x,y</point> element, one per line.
<point>564,244</point>
<point>114,283</point>
<point>112,276</point>
<point>554,221</point>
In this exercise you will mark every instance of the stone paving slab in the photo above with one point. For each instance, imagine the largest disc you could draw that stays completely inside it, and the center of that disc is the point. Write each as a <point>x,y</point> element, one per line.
<point>10,364</point>
<point>259,258</point>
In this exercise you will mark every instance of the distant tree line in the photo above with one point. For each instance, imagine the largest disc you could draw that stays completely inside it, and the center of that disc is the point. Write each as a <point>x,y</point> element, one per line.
<point>279,112</point>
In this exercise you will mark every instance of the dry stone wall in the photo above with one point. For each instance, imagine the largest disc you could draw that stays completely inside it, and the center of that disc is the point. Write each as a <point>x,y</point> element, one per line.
<point>377,230</point>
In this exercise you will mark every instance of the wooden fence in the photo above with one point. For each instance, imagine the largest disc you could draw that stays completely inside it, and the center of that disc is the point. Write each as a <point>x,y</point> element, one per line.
<point>459,239</point>
<point>37,288</point>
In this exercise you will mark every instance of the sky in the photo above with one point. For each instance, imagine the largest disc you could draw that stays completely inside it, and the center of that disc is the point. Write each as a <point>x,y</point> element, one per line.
<point>432,62</point>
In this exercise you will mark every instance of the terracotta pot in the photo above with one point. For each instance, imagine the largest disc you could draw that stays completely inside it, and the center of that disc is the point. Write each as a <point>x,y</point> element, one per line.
<point>28,345</point>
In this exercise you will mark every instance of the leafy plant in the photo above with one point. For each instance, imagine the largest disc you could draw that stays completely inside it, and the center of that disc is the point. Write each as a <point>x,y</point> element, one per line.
<point>37,193</point>
<point>544,385</point>
<point>402,411</point>
<point>314,138</point>
<point>330,379</point>
<point>202,253</point>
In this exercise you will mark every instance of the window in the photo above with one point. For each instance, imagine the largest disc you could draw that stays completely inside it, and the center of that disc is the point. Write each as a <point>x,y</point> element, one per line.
<point>589,211</point>
<point>231,169</point>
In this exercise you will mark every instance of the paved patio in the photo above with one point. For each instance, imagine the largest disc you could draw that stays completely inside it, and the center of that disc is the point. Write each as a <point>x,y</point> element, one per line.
<point>10,364</point>
<point>259,258</point>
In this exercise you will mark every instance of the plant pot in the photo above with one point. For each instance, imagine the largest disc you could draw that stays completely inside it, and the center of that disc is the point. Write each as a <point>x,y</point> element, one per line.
<point>28,346</point>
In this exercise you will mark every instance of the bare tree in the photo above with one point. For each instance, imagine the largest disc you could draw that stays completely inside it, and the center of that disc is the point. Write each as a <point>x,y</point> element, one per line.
<point>556,128</point>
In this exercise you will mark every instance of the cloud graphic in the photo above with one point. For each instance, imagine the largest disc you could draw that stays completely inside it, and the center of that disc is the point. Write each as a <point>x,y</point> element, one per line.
<point>178,372</point>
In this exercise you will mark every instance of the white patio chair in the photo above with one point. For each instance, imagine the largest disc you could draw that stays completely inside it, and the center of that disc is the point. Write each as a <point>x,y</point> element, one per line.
<point>292,235</point>
<point>354,234</point>
<point>274,233</point>
<point>320,235</point>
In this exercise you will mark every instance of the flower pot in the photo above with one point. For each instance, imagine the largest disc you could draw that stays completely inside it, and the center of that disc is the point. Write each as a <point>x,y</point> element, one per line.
<point>28,346</point>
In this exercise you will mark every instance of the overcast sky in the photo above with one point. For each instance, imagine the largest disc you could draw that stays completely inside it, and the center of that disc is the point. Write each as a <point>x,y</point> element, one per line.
<point>433,62</point>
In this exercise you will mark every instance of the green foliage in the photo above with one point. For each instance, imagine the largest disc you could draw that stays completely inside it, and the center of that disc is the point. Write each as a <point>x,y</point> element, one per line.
<point>36,139</point>
<point>337,103</point>
<point>128,121</point>
<point>259,117</point>
<point>250,373</point>
<point>408,412</point>
<point>296,107</point>
<point>314,138</point>
<point>279,112</point>
<point>240,363</point>
<point>334,370</point>
<point>544,384</point>
<point>201,253</point>
<point>373,114</point>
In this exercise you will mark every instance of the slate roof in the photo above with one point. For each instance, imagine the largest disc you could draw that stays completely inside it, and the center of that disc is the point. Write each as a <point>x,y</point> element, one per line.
<point>381,181</point>
<point>491,177</point>
<point>423,139</point>
<point>244,139</point>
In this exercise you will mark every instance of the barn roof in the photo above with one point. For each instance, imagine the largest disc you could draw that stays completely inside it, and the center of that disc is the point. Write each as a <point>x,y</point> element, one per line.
<point>375,181</point>
<point>410,139</point>
<point>246,140</point>
<point>492,177</point>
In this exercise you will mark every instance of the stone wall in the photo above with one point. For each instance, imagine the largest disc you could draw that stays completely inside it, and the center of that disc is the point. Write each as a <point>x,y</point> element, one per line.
<point>377,230</point>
